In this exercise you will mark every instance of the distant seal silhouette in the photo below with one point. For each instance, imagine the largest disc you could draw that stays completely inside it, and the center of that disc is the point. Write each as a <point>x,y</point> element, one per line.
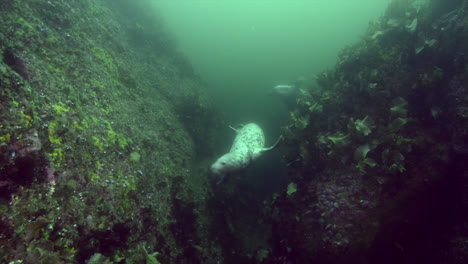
<point>285,90</point>
<point>247,147</point>
<point>289,92</point>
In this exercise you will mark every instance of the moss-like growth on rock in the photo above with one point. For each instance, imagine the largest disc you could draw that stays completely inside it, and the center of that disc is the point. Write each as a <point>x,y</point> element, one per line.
<point>94,151</point>
<point>370,147</point>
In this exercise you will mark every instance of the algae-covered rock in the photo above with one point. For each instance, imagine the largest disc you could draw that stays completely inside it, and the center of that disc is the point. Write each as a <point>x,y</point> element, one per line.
<point>389,195</point>
<point>101,121</point>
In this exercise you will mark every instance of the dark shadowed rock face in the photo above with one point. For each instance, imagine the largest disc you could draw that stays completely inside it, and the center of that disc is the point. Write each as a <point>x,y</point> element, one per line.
<point>16,63</point>
<point>380,169</point>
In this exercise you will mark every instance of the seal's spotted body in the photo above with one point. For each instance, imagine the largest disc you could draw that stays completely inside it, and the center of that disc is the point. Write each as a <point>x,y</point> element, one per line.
<point>248,143</point>
<point>248,146</point>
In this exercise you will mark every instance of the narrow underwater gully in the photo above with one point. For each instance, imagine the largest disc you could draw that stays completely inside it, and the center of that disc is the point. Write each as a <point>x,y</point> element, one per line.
<point>108,135</point>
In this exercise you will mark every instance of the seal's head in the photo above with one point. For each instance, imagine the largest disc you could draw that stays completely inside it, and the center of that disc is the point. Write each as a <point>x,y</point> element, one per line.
<point>224,165</point>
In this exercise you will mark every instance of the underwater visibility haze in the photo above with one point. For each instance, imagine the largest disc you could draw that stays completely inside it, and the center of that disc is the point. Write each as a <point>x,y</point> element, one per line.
<point>340,128</point>
<point>244,48</point>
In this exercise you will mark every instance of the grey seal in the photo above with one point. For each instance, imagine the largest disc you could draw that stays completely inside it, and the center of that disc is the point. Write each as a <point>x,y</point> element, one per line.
<point>288,93</point>
<point>248,145</point>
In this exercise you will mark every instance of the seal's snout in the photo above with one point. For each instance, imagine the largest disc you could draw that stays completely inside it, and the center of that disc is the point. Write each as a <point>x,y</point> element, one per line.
<point>214,169</point>
<point>222,167</point>
<point>217,169</point>
<point>217,172</point>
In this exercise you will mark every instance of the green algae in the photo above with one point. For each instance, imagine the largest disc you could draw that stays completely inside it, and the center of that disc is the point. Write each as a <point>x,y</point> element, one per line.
<point>110,143</point>
<point>398,116</point>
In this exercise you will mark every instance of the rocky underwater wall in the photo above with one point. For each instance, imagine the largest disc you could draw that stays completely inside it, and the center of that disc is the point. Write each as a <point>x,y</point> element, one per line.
<point>106,135</point>
<point>378,150</point>
<point>102,123</point>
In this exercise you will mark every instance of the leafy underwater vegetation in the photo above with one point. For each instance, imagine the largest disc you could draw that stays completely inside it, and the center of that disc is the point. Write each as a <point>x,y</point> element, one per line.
<point>378,147</point>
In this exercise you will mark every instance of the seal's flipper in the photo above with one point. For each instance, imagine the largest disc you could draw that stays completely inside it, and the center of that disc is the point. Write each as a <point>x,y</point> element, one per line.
<point>220,178</point>
<point>303,92</point>
<point>237,131</point>
<point>277,143</point>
